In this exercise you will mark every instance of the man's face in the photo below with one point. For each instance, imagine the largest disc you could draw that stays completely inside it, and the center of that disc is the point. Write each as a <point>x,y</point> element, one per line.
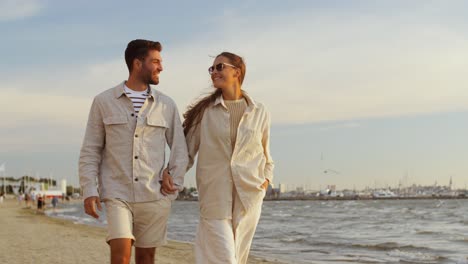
<point>151,67</point>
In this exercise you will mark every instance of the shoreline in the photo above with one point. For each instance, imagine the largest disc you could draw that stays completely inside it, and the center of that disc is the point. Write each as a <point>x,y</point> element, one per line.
<point>326,198</point>
<point>31,237</point>
<point>329,198</point>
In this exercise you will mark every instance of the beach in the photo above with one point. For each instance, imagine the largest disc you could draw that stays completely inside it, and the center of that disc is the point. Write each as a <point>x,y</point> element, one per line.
<point>28,237</point>
<point>299,232</point>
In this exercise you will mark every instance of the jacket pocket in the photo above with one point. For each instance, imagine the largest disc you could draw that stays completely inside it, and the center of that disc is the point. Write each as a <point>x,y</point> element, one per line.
<point>115,120</point>
<point>157,125</point>
<point>116,128</point>
<point>155,139</point>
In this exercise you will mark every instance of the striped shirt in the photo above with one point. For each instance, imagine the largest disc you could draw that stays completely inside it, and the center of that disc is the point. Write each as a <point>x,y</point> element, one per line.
<point>138,98</point>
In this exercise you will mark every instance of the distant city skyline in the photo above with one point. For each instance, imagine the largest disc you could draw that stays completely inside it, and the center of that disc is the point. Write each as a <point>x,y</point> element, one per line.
<point>372,90</point>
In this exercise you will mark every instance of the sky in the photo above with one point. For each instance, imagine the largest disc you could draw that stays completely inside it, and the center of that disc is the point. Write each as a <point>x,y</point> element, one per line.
<point>374,92</point>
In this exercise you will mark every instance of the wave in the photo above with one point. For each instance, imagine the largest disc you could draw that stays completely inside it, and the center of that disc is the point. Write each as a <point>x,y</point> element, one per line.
<point>391,246</point>
<point>62,210</point>
<point>281,215</point>
<point>427,232</point>
<point>415,257</point>
<point>294,240</point>
<point>461,240</point>
<point>386,246</point>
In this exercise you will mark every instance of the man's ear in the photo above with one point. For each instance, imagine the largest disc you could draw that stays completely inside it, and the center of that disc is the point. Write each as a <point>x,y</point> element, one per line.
<point>137,64</point>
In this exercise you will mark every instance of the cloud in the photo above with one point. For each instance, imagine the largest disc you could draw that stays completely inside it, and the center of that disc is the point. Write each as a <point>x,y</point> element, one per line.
<point>329,65</point>
<point>317,64</point>
<point>19,9</point>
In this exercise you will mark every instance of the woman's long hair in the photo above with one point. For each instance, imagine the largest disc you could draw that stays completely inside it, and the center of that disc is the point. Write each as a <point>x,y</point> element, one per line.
<point>194,113</point>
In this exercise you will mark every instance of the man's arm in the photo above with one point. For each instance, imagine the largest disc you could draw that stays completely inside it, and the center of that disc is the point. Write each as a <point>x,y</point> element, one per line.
<point>90,159</point>
<point>179,158</point>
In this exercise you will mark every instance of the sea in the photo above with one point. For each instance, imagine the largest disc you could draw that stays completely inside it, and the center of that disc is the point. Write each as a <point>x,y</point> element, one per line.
<point>357,231</point>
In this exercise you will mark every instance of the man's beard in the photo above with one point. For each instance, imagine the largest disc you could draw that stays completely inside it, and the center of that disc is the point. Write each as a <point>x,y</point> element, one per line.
<point>149,79</point>
<point>153,82</point>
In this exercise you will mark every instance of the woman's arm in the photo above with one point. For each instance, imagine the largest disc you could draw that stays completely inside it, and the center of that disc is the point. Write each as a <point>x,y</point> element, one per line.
<point>193,143</point>
<point>269,166</point>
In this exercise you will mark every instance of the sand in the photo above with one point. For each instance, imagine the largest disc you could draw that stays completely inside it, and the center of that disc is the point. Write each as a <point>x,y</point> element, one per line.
<point>28,237</point>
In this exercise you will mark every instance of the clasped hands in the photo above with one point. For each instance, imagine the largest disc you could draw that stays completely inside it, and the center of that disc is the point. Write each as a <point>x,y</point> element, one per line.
<point>167,185</point>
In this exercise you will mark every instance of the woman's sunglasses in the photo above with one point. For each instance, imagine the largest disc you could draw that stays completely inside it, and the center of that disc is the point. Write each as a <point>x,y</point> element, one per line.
<point>219,67</point>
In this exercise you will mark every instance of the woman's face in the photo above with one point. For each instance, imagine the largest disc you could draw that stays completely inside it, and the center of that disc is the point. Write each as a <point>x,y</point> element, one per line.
<point>228,77</point>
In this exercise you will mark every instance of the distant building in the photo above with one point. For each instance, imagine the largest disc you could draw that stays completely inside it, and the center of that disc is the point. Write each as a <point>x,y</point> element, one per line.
<point>282,188</point>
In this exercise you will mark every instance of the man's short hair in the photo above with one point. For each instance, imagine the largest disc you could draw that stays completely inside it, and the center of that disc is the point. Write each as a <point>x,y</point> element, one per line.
<point>138,49</point>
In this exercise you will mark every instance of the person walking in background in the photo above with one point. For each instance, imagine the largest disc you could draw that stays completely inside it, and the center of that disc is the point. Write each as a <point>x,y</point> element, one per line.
<point>20,198</point>
<point>44,202</point>
<point>231,134</point>
<point>54,202</point>
<point>40,204</point>
<point>27,199</point>
<point>33,198</point>
<point>124,151</point>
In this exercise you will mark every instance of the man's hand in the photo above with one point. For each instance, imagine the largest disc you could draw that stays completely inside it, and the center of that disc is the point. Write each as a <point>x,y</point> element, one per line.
<point>265,184</point>
<point>90,205</point>
<point>167,186</point>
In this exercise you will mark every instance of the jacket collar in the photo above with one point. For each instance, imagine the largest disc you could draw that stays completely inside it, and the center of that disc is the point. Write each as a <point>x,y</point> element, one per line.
<point>119,90</point>
<point>250,102</point>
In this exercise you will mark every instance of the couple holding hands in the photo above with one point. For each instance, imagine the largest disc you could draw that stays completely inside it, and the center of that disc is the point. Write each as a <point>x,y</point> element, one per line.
<point>122,160</point>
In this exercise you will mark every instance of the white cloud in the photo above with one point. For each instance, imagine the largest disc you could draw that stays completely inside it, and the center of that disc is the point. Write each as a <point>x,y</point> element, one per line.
<point>19,9</point>
<point>318,65</point>
<point>23,106</point>
<point>326,66</point>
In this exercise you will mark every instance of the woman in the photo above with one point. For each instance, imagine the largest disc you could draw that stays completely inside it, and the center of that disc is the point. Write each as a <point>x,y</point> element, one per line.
<point>230,132</point>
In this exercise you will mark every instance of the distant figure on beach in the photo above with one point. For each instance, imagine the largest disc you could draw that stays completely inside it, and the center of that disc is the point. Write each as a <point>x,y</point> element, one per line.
<point>40,203</point>
<point>20,198</point>
<point>27,199</point>
<point>54,202</point>
<point>33,198</point>
<point>231,133</point>
<point>44,201</point>
<point>1,198</point>
<point>124,150</point>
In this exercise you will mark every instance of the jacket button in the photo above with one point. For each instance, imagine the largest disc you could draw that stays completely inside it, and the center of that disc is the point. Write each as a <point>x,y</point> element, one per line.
<point>136,157</point>
<point>136,136</point>
<point>136,179</point>
<point>132,114</point>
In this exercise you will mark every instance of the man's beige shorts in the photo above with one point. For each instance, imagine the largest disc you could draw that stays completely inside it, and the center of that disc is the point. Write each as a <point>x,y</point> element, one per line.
<point>144,223</point>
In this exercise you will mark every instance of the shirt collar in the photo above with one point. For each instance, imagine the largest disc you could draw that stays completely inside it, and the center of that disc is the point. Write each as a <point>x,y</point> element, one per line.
<point>120,90</point>
<point>250,101</point>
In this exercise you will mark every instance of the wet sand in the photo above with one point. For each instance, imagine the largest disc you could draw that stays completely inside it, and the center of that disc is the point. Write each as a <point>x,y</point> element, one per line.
<point>30,237</point>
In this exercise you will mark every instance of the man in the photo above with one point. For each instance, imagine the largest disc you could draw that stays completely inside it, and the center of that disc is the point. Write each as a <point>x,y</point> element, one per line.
<point>124,150</point>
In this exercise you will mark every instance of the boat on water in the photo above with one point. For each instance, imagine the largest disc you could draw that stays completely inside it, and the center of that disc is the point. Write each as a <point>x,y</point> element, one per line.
<point>383,194</point>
